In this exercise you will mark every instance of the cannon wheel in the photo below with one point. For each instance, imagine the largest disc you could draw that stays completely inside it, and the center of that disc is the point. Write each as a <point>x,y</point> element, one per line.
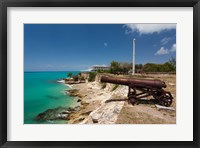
<point>166,99</point>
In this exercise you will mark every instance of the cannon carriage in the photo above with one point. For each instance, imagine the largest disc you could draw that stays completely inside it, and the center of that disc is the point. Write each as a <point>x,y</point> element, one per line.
<point>141,88</point>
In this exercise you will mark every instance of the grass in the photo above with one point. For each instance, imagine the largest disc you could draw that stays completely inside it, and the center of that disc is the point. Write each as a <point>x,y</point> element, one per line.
<point>115,87</point>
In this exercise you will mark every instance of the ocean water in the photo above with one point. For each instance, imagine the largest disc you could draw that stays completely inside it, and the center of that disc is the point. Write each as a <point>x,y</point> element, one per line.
<point>42,92</point>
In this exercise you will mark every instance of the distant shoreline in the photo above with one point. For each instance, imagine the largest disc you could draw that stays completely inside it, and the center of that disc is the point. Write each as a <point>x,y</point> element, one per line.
<point>48,71</point>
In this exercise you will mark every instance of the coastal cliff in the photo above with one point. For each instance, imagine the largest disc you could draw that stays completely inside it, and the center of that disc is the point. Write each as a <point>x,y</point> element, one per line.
<point>91,106</point>
<point>93,109</point>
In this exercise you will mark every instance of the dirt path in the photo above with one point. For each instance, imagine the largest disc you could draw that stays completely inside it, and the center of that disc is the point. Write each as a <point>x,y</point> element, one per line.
<point>145,114</point>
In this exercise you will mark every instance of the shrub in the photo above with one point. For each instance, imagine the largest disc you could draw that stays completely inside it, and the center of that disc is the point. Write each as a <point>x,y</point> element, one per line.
<point>92,76</point>
<point>70,74</point>
<point>75,78</point>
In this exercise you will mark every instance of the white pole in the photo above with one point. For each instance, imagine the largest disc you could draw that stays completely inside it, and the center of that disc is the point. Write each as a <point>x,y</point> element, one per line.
<point>133,69</point>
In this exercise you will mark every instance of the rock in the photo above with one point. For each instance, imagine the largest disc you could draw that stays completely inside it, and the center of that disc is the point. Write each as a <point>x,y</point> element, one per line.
<point>95,120</point>
<point>95,117</point>
<point>66,112</point>
<point>100,94</point>
<point>54,114</point>
<point>87,113</point>
<point>84,103</point>
<point>79,100</point>
<point>172,84</point>
<point>159,107</point>
<point>40,116</point>
<point>72,92</point>
<point>81,118</point>
<point>71,109</point>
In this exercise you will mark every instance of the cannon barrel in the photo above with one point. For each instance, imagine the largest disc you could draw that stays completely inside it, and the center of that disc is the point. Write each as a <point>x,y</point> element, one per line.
<point>133,81</point>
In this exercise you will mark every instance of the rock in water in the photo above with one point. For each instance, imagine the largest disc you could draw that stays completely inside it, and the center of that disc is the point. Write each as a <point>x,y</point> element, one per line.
<point>59,113</point>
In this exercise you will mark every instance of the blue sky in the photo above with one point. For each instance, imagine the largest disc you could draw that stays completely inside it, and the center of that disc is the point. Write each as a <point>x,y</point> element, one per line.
<point>71,47</point>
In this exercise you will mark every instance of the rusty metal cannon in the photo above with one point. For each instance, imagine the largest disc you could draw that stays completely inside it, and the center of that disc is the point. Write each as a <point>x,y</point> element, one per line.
<point>140,88</point>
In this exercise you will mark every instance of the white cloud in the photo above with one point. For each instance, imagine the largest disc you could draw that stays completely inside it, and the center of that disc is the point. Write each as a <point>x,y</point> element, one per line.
<point>164,50</point>
<point>105,44</point>
<point>173,48</point>
<point>165,40</point>
<point>148,28</point>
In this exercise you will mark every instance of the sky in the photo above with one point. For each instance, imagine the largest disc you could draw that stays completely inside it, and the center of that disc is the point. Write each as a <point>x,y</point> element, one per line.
<point>74,47</point>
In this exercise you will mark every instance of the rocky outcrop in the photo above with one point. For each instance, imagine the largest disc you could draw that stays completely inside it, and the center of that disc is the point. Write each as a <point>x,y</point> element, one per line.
<point>59,113</point>
<point>74,93</point>
<point>93,106</point>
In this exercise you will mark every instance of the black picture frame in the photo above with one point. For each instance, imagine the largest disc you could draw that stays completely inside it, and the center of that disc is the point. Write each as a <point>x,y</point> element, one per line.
<point>4,4</point>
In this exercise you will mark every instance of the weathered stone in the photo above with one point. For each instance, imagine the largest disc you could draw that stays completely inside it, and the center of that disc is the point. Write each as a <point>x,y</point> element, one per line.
<point>159,107</point>
<point>87,113</point>
<point>79,100</point>
<point>59,113</point>
<point>84,103</point>
<point>66,112</point>
<point>81,118</point>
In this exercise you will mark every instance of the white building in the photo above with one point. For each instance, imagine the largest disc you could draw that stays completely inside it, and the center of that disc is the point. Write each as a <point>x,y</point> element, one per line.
<point>100,67</point>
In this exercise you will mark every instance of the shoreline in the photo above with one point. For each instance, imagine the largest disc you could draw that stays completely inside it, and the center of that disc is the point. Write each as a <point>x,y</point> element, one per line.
<point>93,108</point>
<point>89,105</point>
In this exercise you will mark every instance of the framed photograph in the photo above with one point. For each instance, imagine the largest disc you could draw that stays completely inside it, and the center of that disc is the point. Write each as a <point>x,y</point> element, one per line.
<point>99,73</point>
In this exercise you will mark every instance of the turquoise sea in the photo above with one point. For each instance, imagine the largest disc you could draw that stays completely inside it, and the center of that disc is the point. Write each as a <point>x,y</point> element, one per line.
<point>42,92</point>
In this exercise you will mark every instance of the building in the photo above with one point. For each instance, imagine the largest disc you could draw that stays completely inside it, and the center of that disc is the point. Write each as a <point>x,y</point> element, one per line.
<point>100,67</point>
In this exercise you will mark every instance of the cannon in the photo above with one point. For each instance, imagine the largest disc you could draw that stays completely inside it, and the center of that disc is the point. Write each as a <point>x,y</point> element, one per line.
<point>140,88</point>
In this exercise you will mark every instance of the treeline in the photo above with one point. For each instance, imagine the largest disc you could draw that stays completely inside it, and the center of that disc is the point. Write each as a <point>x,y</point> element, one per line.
<point>125,68</point>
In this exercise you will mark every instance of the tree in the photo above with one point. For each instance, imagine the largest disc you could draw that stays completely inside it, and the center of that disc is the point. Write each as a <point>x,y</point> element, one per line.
<point>151,67</point>
<point>114,67</point>
<point>172,61</point>
<point>138,67</point>
<point>167,67</point>
<point>70,74</point>
<point>125,67</point>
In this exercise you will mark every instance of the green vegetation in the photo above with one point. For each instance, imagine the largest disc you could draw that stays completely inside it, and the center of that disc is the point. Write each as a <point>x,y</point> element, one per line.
<point>75,78</point>
<point>103,71</point>
<point>70,74</point>
<point>125,68</point>
<point>115,87</point>
<point>151,67</point>
<point>92,76</point>
<point>172,61</point>
<point>114,67</point>
<point>122,67</point>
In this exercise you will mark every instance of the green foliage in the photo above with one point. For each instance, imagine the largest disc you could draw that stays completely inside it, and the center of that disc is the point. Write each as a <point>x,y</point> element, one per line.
<point>75,78</point>
<point>70,74</point>
<point>114,67</point>
<point>120,67</point>
<point>125,67</point>
<point>115,87</point>
<point>138,67</point>
<point>172,61</point>
<point>92,76</point>
<point>151,67</point>
<point>103,85</point>
<point>167,67</point>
